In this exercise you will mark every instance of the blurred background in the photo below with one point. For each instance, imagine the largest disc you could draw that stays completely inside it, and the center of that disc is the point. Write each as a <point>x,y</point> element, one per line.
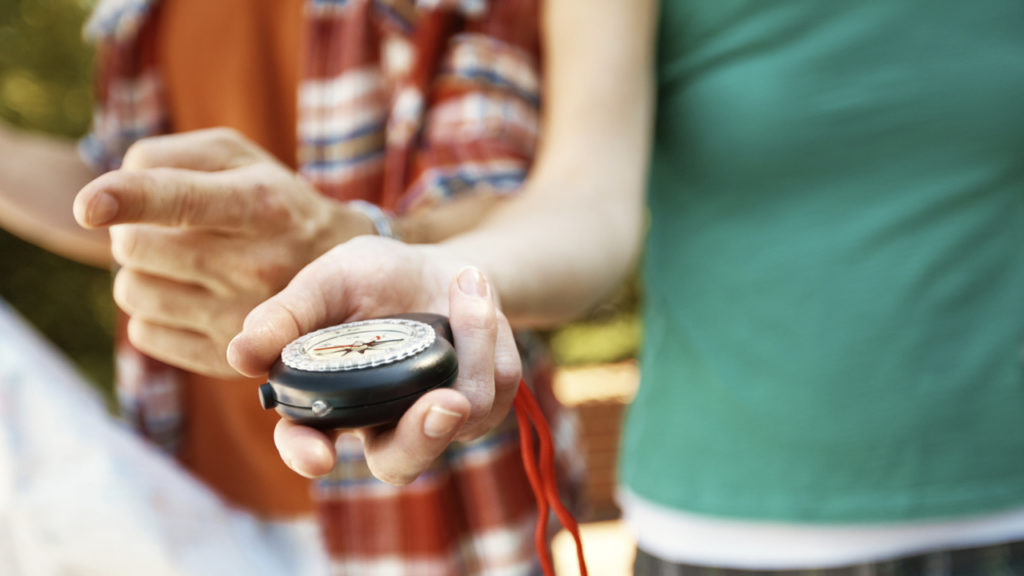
<point>45,71</point>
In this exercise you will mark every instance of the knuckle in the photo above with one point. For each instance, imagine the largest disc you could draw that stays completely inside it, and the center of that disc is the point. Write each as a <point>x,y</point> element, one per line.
<point>478,318</point>
<point>136,193</point>
<point>234,144</point>
<point>508,369</point>
<point>225,136</point>
<point>474,430</point>
<point>262,270</point>
<point>124,243</point>
<point>189,208</point>
<point>290,318</point>
<point>141,154</point>
<point>480,393</point>
<point>161,307</point>
<point>387,474</point>
<point>123,291</point>
<point>270,276</point>
<point>191,259</point>
<point>139,333</point>
<point>263,195</point>
<point>269,206</point>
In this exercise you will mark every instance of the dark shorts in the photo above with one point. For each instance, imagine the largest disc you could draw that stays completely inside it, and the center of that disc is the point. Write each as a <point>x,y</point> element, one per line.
<point>998,560</point>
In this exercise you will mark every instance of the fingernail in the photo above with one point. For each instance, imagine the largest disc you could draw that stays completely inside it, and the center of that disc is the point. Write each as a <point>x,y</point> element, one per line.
<point>234,357</point>
<point>102,209</point>
<point>440,422</point>
<point>472,282</point>
<point>229,352</point>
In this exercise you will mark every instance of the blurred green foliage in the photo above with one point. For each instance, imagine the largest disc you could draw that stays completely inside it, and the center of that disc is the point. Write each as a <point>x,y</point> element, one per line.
<point>610,333</point>
<point>45,72</point>
<point>45,67</point>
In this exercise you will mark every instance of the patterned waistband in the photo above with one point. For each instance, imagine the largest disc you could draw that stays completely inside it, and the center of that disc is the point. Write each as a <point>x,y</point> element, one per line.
<point>996,560</point>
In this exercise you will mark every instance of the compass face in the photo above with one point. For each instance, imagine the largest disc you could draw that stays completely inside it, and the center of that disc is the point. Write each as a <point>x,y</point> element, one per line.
<point>358,345</point>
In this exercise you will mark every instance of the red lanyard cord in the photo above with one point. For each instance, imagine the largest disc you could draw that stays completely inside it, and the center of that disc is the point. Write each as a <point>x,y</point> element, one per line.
<point>543,483</point>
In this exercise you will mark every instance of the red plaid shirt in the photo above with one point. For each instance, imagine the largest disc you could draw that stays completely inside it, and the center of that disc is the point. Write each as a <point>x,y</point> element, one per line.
<point>460,115</point>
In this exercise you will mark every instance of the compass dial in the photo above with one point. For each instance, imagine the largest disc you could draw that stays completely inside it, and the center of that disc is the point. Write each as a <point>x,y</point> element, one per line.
<point>358,345</point>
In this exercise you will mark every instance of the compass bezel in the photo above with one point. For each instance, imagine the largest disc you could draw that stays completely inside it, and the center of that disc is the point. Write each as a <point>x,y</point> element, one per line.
<point>298,356</point>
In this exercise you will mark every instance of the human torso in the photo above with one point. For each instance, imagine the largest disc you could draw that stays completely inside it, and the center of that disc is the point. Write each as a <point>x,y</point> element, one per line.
<point>236,64</point>
<point>834,275</point>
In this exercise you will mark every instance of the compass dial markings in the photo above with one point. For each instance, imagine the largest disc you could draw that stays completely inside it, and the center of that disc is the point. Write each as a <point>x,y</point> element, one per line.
<point>359,345</point>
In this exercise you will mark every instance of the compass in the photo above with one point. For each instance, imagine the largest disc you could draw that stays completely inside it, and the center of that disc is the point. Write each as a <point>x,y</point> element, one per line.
<point>362,373</point>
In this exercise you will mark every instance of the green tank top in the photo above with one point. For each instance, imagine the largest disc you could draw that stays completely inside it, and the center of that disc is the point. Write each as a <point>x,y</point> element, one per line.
<point>834,272</point>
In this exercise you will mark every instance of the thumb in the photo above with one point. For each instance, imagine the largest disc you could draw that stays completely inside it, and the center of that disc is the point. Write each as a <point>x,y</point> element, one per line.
<point>300,308</point>
<point>368,275</point>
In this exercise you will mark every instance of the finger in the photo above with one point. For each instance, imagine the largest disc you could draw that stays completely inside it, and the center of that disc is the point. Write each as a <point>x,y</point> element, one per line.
<point>299,308</point>
<point>508,372</point>
<point>166,252</point>
<point>180,348</point>
<point>307,451</point>
<point>178,305</point>
<point>400,454</point>
<point>175,197</point>
<point>207,150</point>
<point>474,325</point>
<point>365,276</point>
<point>225,264</point>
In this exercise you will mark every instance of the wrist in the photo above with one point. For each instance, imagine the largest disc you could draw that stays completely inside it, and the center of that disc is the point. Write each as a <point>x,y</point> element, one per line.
<point>383,222</point>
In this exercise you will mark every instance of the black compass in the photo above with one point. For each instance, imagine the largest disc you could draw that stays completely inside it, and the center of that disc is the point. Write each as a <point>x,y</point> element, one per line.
<point>362,373</point>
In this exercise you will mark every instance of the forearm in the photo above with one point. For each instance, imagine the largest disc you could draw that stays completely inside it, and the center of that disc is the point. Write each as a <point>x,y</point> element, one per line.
<point>442,221</point>
<point>575,232</point>
<point>39,177</point>
<point>566,243</point>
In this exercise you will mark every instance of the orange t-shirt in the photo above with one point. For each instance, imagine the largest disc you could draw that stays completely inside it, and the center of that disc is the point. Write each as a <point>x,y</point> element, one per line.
<point>236,63</point>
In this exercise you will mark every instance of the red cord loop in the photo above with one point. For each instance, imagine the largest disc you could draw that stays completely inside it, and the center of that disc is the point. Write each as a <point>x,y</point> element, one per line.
<point>543,483</point>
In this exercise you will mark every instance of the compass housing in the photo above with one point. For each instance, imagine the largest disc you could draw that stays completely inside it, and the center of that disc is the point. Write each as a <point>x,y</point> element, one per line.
<point>364,395</point>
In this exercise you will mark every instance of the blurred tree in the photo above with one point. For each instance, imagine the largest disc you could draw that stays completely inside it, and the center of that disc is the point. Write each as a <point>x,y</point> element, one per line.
<point>45,66</point>
<point>45,71</point>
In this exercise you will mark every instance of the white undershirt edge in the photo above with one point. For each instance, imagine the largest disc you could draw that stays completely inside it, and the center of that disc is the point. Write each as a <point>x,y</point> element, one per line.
<point>683,537</point>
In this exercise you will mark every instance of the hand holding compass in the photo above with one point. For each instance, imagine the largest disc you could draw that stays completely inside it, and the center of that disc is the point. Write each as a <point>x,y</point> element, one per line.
<point>372,277</point>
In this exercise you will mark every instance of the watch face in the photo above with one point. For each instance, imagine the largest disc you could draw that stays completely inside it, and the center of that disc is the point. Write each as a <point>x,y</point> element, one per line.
<point>358,345</point>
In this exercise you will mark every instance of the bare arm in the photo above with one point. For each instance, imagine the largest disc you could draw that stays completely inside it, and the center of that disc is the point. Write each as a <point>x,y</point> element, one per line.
<point>206,224</point>
<point>576,231</point>
<point>550,253</point>
<point>39,177</point>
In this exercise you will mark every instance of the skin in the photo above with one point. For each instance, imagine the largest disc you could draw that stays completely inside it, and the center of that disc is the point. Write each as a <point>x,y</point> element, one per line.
<point>205,225</point>
<point>384,277</point>
<point>551,253</point>
<point>38,174</point>
<point>176,226</point>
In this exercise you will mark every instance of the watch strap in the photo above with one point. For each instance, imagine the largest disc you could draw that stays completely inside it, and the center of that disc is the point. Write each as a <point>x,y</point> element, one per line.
<point>383,221</point>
